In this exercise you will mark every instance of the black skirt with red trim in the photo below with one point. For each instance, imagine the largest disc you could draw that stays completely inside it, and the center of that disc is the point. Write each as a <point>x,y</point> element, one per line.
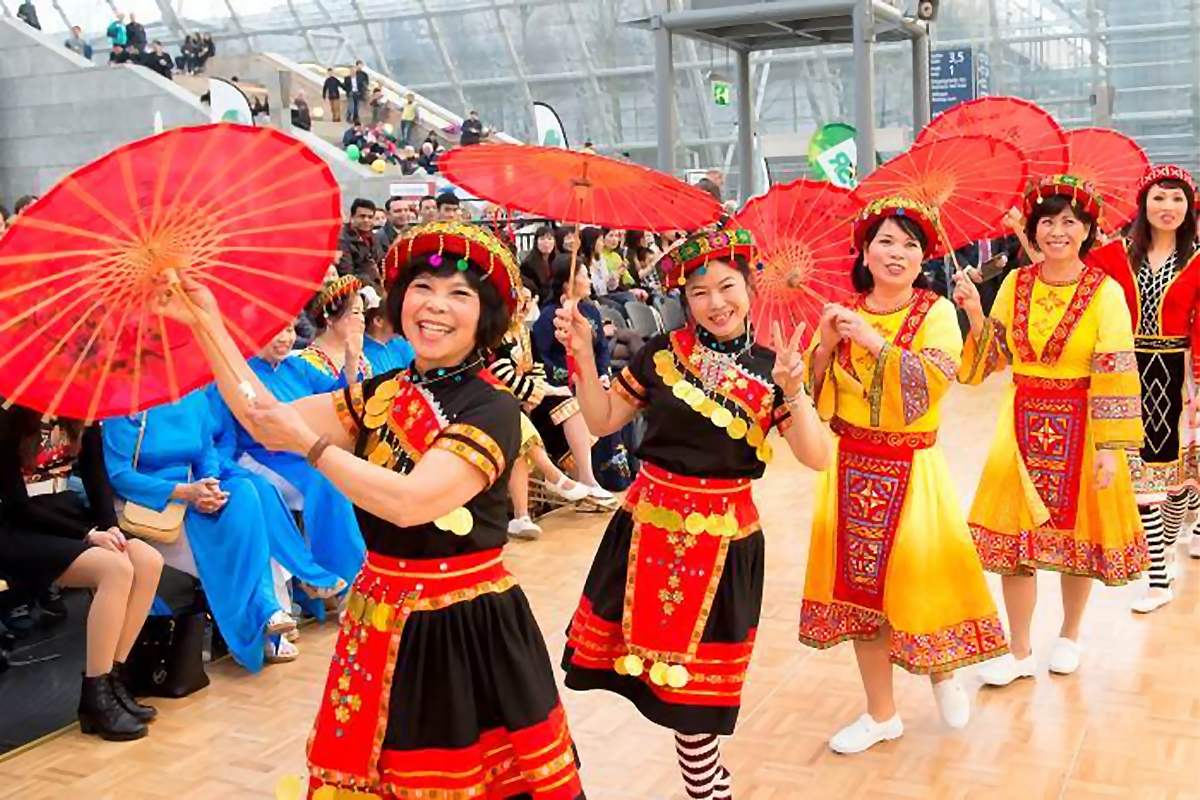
<point>711,700</point>
<point>440,687</point>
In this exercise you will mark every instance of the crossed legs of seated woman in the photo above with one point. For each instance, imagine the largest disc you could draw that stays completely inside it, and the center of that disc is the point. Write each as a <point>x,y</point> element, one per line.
<point>124,574</point>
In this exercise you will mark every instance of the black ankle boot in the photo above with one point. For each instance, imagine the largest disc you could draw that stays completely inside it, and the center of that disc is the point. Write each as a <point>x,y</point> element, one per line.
<point>120,687</point>
<point>102,714</point>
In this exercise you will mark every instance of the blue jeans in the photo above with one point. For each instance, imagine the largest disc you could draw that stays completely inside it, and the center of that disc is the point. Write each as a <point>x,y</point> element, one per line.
<point>352,110</point>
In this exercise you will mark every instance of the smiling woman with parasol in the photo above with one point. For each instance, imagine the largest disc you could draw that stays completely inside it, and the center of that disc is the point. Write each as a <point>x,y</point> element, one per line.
<point>436,635</point>
<point>891,563</point>
<point>672,601</point>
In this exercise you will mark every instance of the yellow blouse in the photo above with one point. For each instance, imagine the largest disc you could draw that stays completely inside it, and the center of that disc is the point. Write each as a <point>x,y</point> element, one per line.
<point>1096,344</point>
<point>900,389</point>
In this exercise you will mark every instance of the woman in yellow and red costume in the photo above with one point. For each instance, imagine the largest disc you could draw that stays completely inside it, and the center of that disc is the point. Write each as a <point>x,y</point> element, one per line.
<point>672,601</point>
<point>440,684</point>
<point>891,563</point>
<point>1158,268</point>
<point>1056,492</point>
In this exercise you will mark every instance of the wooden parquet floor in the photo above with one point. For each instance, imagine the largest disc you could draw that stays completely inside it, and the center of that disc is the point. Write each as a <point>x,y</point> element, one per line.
<point>1127,725</point>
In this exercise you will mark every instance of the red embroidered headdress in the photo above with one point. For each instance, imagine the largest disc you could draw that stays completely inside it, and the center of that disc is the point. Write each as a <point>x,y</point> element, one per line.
<point>700,248</point>
<point>466,244</point>
<point>335,290</point>
<point>924,215</point>
<point>1165,172</point>
<point>1083,194</point>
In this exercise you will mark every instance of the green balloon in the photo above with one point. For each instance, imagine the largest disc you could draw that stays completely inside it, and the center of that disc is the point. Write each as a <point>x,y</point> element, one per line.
<point>352,152</point>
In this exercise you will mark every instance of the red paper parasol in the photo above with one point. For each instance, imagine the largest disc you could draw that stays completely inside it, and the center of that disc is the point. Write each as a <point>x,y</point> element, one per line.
<point>1114,163</point>
<point>1019,122</point>
<point>802,232</point>
<point>250,212</point>
<point>584,188</point>
<point>972,180</point>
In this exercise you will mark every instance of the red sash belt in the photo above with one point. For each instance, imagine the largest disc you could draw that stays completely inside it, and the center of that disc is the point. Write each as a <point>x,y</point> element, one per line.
<point>347,737</point>
<point>682,527</point>
<point>873,470</point>
<point>1050,418</point>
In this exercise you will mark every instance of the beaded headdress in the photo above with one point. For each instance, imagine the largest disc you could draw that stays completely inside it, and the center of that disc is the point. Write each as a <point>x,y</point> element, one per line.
<point>923,215</point>
<point>1083,194</point>
<point>335,290</point>
<point>700,248</point>
<point>465,244</point>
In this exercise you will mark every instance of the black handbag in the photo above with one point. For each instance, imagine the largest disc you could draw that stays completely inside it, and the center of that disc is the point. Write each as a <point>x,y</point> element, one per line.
<point>167,660</point>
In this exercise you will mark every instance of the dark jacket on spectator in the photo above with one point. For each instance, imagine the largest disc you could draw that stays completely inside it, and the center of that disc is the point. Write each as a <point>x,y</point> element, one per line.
<point>471,131</point>
<point>302,116</point>
<point>624,344</point>
<point>408,166</point>
<point>386,235</point>
<point>428,162</point>
<point>362,256</point>
<point>362,83</point>
<point>331,89</point>
<point>28,14</point>
<point>159,62</point>
<point>535,274</point>
<point>551,352</point>
<point>135,35</point>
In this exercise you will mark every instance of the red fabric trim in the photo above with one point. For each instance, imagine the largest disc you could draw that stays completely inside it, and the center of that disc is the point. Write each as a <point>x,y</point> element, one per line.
<point>1050,427</point>
<point>1049,548</point>
<point>923,300</point>
<point>1089,282</point>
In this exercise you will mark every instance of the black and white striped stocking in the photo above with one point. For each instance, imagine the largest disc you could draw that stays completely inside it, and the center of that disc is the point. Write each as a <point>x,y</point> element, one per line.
<point>1152,521</point>
<point>1173,512</point>
<point>700,764</point>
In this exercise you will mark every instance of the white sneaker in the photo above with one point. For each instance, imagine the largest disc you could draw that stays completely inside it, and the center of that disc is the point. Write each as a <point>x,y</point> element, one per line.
<point>953,703</point>
<point>865,733</point>
<point>599,494</point>
<point>1064,658</point>
<point>1154,599</point>
<point>1194,546</point>
<point>524,528</point>
<point>569,490</point>
<point>1007,668</point>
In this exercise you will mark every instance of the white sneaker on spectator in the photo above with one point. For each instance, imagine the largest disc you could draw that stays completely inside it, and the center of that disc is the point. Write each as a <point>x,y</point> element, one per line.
<point>1008,668</point>
<point>280,622</point>
<point>953,703</point>
<point>1154,599</point>
<point>1064,658</point>
<point>280,653</point>
<point>864,733</point>
<point>569,490</point>
<point>1194,546</point>
<point>523,528</point>
<point>599,494</point>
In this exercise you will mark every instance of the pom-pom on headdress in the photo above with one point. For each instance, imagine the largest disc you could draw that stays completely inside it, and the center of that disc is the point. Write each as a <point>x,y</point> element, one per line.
<point>700,248</point>
<point>462,244</point>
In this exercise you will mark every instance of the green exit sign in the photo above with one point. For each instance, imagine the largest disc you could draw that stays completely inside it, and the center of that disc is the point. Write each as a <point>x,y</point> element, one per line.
<point>721,91</point>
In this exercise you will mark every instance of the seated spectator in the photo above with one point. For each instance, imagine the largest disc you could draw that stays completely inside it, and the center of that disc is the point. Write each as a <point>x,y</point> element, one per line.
<point>641,252</point>
<point>58,538</point>
<point>537,265</point>
<point>77,43</point>
<point>176,461</point>
<point>383,348</point>
<point>427,209</point>
<point>362,256</point>
<point>158,60</point>
<point>356,134</point>
<point>336,351</point>
<point>23,202</point>
<point>553,356</point>
<point>408,161</point>
<point>206,50</point>
<point>27,13</point>
<point>117,56</point>
<point>558,414</point>
<point>378,221</point>
<point>189,53</point>
<point>428,158</point>
<point>335,546</point>
<point>301,114</point>
<point>449,207</point>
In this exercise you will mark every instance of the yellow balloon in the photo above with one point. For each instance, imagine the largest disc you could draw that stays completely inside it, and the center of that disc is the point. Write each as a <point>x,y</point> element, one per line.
<point>389,127</point>
<point>378,166</point>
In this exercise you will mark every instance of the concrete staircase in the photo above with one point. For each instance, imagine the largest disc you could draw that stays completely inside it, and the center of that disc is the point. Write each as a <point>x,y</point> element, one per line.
<point>59,111</point>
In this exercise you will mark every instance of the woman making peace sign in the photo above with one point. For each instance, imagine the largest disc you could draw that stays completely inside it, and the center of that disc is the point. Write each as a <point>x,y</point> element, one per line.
<point>670,608</point>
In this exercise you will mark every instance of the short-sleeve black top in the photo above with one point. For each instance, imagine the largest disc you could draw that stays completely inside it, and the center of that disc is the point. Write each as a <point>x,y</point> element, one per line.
<point>483,426</point>
<point>679,439</point>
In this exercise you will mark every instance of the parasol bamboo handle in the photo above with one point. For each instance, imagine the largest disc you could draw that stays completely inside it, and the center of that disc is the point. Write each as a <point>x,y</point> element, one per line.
<point>201,328</point>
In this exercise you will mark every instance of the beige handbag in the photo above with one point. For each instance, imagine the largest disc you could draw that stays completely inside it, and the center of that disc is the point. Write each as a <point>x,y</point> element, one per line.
<point>163,526</point>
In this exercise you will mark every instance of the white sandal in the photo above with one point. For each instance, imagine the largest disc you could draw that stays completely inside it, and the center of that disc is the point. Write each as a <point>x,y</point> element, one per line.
<point>317,593</point>
<point>280,623</point>
<point>281,653</point>
<point>576,491</point>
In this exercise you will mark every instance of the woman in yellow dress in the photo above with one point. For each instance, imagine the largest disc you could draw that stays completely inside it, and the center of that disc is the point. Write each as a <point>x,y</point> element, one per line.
<point>1056,491</point>
<point>891,564</point>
